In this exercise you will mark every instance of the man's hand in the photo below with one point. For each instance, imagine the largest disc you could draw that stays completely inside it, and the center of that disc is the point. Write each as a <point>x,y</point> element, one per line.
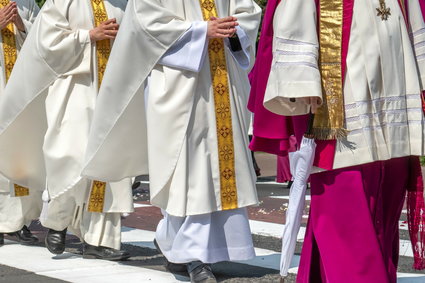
<point>222,27</point>
<point>8,14</point>
<point>314,102</point>
<point>19,23</point>
<point>106,30</point>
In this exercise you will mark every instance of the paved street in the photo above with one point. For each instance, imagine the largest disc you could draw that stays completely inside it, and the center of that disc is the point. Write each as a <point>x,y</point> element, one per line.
<point>35,264</point>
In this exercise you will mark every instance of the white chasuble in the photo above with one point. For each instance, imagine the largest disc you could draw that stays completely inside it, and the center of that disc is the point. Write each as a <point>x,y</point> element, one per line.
<point>48,104</point>
<point>180,120</point>
<point>9,51</point>
<point>18,205</point>
<point>383,83</point>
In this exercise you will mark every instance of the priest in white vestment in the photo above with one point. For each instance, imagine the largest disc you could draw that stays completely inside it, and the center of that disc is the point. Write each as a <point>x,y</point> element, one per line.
<point>18,205</point>
<point>359,65</point>
<point>194,115</point>
<point>45,119</point>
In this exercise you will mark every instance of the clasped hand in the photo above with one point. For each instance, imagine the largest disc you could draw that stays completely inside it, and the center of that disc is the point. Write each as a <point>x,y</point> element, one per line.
<point>222,27</point>
<point>8,14</point>
<point>106,30</point>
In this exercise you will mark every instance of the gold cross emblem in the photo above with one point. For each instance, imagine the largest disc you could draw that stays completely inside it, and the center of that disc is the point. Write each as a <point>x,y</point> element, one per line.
<point>383,11</point>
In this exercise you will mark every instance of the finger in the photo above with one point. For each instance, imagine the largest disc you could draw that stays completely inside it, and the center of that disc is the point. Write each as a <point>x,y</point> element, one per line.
<point>219,36</point>
<point>10,5</point>
<point>226,31</point>
<point>9,13</point>
<point>226,19</point>
<point>111,26</point>
<point>227,25</point>
<point>10,18</point>
<point>213,18</point>
<point>7,9</point>
<point>111,32</point>
<point>107,22</point>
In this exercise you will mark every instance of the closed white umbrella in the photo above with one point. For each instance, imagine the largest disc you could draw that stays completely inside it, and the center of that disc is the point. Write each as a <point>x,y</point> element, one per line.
<point>301,163</point>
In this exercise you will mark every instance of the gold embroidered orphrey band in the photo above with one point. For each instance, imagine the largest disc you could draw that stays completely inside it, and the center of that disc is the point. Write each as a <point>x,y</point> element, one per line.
<point>220,84</point>
<point>9,45</point>
<point>20,191</point>
<point>103,49</point>
<point>329,119</point>
<point>10,55</point>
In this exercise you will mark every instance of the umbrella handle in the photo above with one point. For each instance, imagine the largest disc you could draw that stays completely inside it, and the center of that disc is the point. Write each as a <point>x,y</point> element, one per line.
<point>309,131</point>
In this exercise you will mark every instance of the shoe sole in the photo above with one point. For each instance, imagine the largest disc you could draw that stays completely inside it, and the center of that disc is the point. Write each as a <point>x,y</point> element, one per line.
<point>50,250</point>
<point>209,280</point>
<point>121,258</point>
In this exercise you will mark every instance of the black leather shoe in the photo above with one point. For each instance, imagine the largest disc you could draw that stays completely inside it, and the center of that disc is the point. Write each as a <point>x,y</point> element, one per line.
<point>93,252</point>
<point>55,241</point>
<point>1,239</point>
<point>24,236</point>
<point>202,274</point>
<point>170,266</point>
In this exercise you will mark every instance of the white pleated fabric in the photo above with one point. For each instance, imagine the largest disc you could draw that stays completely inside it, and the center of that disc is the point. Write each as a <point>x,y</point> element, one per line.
<point>69,210</point>
<point>209,238</point>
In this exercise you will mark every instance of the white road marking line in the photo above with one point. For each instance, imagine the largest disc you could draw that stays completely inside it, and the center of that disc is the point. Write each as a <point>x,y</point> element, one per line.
<point>74,268</point>
<point>138,205</point>
<point>271,229</point>
<point>257,182</point>
<point>307,197</point>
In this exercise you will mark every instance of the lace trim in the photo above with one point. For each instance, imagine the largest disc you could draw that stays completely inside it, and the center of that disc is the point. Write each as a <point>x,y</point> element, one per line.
<point>419,44</point>
<point>385,125</point>
<point>418,32</point>
<point>306,64</point>
<point>294,42</point>
<point>383,99</point>
<point>373,115</point>
<point>294,53</point>
<point>420,57</point>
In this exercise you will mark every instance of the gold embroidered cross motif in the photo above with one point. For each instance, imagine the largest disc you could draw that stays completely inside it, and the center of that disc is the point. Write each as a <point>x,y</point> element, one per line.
<point>208,5</point>
<point>97,197</point>
<point>21,191</point>
<point>383,11</point>
<point>9,45</point>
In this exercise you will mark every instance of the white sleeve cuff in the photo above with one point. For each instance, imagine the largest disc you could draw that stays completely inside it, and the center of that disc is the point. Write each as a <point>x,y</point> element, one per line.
<point>189,51</point>
<point>242,56</point>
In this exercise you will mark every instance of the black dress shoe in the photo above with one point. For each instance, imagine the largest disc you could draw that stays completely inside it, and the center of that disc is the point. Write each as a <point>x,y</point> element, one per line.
<point>55,241</point>
<point>93,252</point>
<point>202,274</point>
<point>1,239</point>
<point>24,236</point>
<point>170,266</point>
